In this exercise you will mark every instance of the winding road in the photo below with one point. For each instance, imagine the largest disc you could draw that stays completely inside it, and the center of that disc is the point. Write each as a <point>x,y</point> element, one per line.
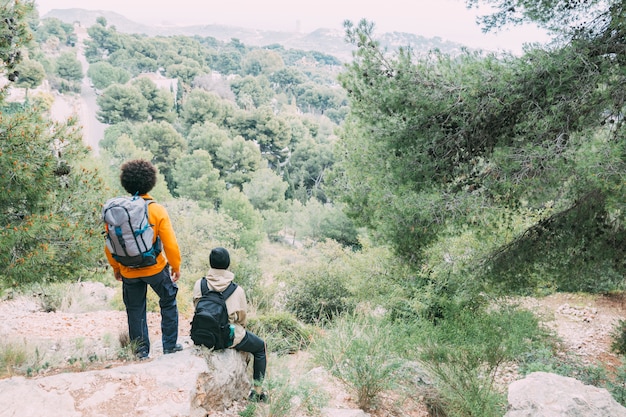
<point>84,105</point>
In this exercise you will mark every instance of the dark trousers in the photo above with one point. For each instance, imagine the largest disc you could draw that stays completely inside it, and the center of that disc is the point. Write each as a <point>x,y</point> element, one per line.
<point>134,292</point>
<point>255,345</point>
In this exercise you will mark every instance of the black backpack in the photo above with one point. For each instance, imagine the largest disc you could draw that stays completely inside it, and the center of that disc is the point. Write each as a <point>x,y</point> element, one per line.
<point>210,326</point>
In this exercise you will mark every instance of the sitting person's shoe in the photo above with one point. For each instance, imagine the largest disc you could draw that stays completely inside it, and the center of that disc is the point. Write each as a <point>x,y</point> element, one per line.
<point>177,348</point>
<point>257,397</point>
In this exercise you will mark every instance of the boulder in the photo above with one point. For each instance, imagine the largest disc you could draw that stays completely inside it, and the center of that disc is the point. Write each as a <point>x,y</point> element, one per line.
<point>191,383</point>
<point>543,394</point>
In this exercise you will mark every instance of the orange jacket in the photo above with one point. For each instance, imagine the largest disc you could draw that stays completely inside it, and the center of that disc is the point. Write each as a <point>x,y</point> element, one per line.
<point>157,216</point>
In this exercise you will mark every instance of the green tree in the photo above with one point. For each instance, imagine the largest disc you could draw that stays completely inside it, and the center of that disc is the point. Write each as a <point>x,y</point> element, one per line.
<point>287,80</point>
<point>308,165</point>
<point>207,136</point>
<point>69,67</point>
<point>31,75</point>
<point>103,74</point>
<point>271,132</point>
<point>251,92</point>
<point>103,40</point>
<point>185,71</point>
<point>262,61</point>
<point>266,191</point>
<point>236,205</point>
<point>49,222</point>
<point>313,98</point>
<point>165,143</point>
<point>198,180</point>
<point>160,102</point>
<point>225,61</point>
<point>53,27</point>
<point>237,160</point>
<point>200,106</point>
<point>119,103</point>
<point>438,142</point>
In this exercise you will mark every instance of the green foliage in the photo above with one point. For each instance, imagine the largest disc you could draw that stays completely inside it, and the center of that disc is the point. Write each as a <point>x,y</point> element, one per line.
<point>165,143</point>
<point>198,231</point>
<point>201,106</point>
<point>464,351</point>
<point>266,190</point>
<point>119,103</point>
<point>319,295</point>
<point>160,102</point>
<point>618,336</point>
<point>252,92</point>
<point>272,133</point>
<point>12,357</point>
<point>55,28</point>
<point>238,161</point>
<point>103,74</point>
<point>14,35</point>
<point>617,385</point>
<point>442,143</point>
<point>288,396</point>
<point>282,332</point>
<point>356,350</point>
<point>236,206</point>
<point>261,61</point>
<point>196,179</point>
<point>69,68</point>
<point>49,216</point>
<point>310,161</point>
<point>48,208</point>
<point>319,222</point>
<point>31,75</point>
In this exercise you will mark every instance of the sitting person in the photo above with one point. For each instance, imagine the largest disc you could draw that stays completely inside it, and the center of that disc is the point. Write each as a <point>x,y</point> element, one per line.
<point>218,279</point>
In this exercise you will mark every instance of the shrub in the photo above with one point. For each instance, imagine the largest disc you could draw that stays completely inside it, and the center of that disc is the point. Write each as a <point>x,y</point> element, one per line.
<point>282,333</point>
<point>356,351</point>
<point>618,336</point>
<point>319,297</point>
<point>464,350</point>
<point>12,356</point>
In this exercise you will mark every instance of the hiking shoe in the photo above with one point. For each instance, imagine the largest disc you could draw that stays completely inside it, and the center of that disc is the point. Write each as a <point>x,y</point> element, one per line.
<point>140,356</point>
<point>257,397</point>
<point>177,348</point>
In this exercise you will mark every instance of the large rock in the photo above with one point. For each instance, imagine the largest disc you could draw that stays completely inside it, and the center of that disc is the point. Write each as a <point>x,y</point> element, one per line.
<point>188,383</point>
<point>542,394</point>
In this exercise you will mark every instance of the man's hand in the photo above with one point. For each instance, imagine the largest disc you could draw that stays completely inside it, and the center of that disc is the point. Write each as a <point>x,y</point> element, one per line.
<point>175,276</point>
<point>118,275</point>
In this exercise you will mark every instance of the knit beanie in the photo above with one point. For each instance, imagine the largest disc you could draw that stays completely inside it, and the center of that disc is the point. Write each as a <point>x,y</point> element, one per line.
<point>219,258</point>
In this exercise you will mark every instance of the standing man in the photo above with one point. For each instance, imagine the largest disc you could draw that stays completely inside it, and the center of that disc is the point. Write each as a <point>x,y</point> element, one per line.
<point>138,177</point>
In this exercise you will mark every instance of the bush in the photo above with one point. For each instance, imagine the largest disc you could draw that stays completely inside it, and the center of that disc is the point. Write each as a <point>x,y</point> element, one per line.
<point>464,350</point>
<point>319,297</point>
<point>12,356</point>
<point>282,333</point>
<point>356,351</point>
<point>618,336</point>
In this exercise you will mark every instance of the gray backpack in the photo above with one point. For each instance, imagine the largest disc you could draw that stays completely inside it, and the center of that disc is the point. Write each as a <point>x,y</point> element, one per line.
<point>129,234</point>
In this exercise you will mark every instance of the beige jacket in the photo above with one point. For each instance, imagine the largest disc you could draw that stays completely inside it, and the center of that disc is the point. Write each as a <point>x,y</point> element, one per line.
<point>236,304</point>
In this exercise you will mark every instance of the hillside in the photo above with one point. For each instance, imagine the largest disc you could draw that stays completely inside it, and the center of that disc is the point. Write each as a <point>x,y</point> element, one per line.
<point>330,41</point>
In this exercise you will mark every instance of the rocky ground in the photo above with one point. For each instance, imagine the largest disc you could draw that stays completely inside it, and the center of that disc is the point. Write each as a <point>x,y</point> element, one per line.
<point>85,335</point>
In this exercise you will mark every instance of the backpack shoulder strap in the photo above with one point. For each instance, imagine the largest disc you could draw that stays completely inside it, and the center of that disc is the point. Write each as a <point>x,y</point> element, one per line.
<point>204,287</point>
<point>229,290</point>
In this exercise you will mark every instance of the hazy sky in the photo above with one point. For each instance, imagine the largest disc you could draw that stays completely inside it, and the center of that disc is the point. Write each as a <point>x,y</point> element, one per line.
<point>448,19</point>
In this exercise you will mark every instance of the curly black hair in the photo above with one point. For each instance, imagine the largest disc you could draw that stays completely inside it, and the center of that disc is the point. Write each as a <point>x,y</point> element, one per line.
<point>138,176</point>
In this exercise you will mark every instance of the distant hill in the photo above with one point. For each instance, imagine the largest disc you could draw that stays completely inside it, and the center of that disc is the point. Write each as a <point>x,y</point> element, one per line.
<point>329,41</point>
